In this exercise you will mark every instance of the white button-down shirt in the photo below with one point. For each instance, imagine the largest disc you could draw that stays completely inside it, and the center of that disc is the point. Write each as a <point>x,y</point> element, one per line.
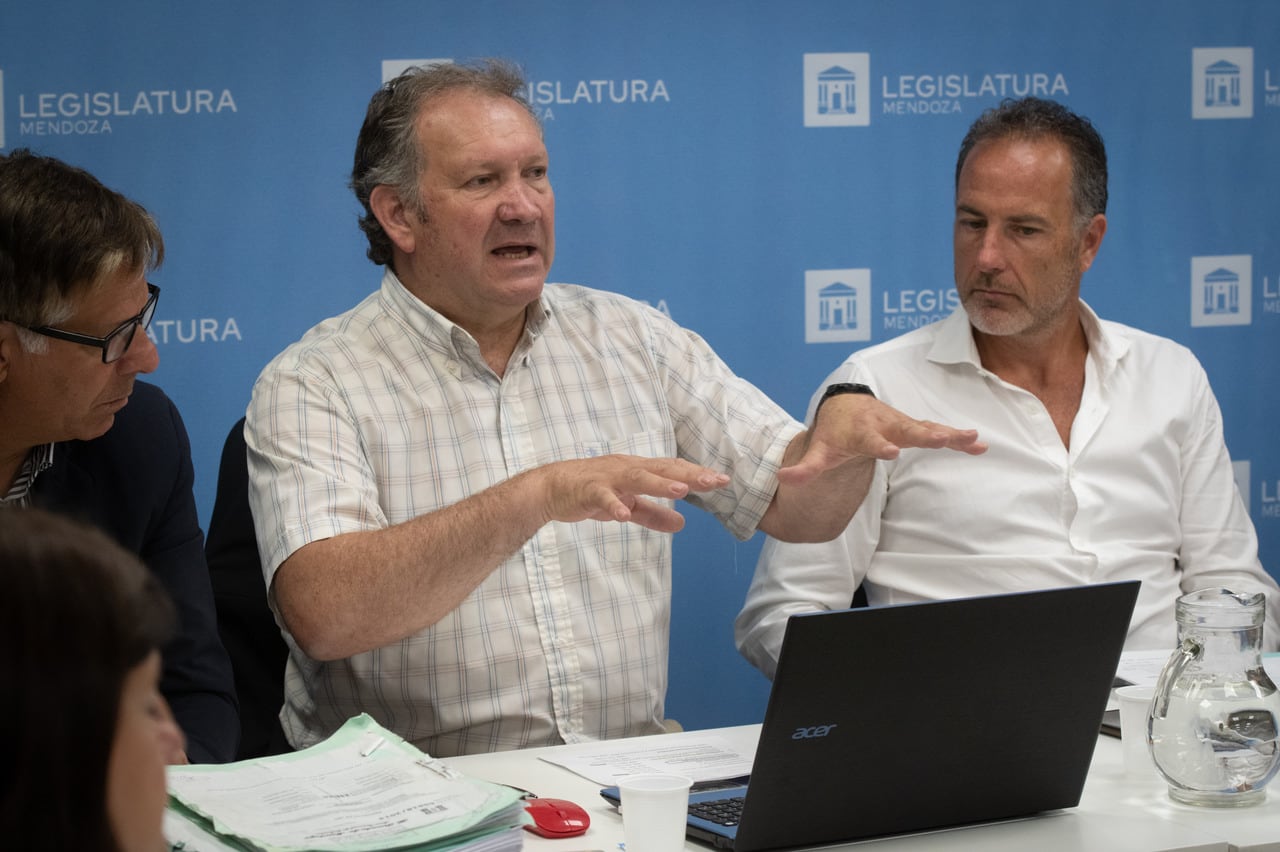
<point>388,412</point>
<point>1144,492</point>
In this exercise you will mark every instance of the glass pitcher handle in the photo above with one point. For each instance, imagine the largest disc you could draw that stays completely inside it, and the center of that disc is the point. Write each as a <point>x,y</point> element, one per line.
<point>1186,654</point>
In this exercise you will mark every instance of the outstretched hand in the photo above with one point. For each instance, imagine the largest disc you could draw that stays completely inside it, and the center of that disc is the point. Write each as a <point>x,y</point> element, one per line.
<point>617,488</point>
<point>853,426</point>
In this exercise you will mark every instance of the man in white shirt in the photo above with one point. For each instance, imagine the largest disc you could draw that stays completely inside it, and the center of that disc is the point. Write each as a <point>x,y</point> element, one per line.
<point>1107,460</point>
<point>463,486</point>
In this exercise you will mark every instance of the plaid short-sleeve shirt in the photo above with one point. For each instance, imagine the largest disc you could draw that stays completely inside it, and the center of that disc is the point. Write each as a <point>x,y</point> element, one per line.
<point>388,412</point>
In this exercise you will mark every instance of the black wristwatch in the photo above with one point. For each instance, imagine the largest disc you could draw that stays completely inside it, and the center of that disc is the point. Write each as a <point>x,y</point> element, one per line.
<point>840,388</point>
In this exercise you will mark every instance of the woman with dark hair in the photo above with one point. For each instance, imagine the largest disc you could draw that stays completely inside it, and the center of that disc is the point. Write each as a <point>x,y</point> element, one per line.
<point>87,733</point>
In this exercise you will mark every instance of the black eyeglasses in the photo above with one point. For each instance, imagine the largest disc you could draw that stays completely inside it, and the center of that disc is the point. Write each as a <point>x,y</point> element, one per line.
<point>115,344</point>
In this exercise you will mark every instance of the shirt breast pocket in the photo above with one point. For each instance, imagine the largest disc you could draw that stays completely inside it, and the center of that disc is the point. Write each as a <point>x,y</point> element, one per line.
<point>630,546</point>
<point>653,444</point>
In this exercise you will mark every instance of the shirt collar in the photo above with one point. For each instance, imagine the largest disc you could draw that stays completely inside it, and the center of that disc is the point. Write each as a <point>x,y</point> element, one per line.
<point>954,341</point>
<point>429,323</point>
<point>1105,345</point>
<point>436,328</point>
<point>37,462</point>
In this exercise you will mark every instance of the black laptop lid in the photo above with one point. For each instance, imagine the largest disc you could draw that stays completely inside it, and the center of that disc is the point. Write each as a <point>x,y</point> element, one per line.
<point>919,716</point>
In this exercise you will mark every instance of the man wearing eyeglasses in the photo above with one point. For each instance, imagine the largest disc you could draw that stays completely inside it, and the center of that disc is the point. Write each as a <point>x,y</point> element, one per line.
<point>78,434</point>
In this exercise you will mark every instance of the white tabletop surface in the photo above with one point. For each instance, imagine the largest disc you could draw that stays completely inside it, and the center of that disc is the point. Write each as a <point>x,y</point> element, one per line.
<point>1117,813</point>
<point>1111,790</point>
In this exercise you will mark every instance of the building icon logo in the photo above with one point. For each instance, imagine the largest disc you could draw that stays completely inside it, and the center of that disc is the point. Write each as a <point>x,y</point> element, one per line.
<point>837,305</point>
<point>1222,82</point>
<point>1222,290</point>
<point>837,89</point>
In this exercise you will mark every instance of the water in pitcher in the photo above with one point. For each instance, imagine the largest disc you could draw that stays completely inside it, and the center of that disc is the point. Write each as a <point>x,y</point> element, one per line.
<point>1213,723</point>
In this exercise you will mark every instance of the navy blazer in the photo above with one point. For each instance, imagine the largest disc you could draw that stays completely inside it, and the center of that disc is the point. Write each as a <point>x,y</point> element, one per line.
<point>135,483</point>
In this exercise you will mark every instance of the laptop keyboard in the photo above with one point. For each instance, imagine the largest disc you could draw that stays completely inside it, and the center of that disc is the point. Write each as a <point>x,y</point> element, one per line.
<point>720,811</point>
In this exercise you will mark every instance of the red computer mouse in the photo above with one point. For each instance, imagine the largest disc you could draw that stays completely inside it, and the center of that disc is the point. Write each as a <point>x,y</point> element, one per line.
<point>557,818</point>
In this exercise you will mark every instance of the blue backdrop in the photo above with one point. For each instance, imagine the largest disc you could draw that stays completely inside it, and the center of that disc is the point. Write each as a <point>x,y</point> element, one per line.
<point>776,174</point>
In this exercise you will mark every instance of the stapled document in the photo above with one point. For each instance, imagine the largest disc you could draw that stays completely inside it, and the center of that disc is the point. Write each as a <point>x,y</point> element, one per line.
<point>362,789</point>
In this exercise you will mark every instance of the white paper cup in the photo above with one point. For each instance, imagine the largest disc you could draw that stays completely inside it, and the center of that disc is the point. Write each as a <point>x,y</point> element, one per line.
<point>1135,705</point>
<point>654,810</point>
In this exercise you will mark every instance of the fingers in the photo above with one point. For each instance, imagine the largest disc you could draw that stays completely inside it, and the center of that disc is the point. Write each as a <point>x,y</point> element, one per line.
<point>863,426</point>
<point>929,435</point>
<point>646,513</point>
<point>656,516</point>
<point>821,457</point>
<point>616,488</point>
<point>854,427</point>
<point>669,478</point>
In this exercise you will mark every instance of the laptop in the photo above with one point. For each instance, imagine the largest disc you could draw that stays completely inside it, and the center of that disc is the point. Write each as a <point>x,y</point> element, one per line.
<point>916,717</point>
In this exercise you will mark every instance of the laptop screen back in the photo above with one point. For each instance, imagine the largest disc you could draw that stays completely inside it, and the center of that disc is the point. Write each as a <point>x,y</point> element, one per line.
<point>918,716</point>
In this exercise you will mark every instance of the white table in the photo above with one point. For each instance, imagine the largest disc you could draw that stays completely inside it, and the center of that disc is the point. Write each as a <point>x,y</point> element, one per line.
<point>1111,790</point>
<point>1116,813</point>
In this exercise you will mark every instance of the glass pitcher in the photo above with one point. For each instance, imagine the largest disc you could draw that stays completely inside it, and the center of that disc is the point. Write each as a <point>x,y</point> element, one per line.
<point>1212,725</point>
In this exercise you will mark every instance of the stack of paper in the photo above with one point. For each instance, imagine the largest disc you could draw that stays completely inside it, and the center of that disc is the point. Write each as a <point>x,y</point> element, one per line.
<point>362,789</point>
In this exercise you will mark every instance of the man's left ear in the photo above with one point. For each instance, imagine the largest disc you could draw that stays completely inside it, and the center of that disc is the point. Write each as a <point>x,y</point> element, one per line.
<point>1091,241</point>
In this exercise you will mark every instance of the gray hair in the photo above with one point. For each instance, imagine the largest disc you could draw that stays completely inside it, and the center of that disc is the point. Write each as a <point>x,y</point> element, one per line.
<point>63,234</point>
<point>1034,118</point>
<point>387,151</point>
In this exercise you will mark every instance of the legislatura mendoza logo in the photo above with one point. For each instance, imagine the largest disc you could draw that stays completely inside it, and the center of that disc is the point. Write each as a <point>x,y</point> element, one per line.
<point>1222,290</point>
<point>545,96</point>
<point>98,112</point>
<point>1221,82</point>
<point>837,89</point>
<point>837,305</point>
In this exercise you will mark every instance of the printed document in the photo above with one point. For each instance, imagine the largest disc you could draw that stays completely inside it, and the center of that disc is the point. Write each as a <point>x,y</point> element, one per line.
<point>696,756</point>
<point>364,788</point>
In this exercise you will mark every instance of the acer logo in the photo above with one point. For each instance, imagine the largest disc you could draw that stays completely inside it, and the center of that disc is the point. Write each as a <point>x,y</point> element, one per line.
<point>812,733</point>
